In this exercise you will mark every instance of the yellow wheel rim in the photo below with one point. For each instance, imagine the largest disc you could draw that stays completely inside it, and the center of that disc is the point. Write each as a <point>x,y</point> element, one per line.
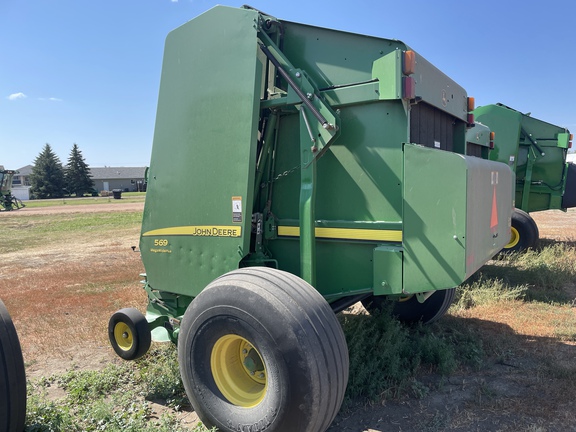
<point>514,238</point>
<point>123,336</point>
<point>238,371</point>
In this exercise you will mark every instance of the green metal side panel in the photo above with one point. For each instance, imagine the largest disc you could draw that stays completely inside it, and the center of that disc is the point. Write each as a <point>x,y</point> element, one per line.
<point>506,125</point>
<point>478,135</point>
<point>456,216</point>
<point>388,270</point>
<point>197,217</point>
<point>437,89</point>
<point>358,186</point>
<point>338,58</point>
<point>332,57</point>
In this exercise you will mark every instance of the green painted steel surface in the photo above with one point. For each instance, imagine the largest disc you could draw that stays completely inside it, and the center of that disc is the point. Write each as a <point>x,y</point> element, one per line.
<point>282,144</point>
<point>197,217</point>
<point>535,149</point>
<point>6,181</point>
<point>456,216</point>
<point>478,141</point>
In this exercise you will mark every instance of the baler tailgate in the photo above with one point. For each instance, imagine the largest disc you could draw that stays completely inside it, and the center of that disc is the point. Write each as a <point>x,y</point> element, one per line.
<point>454,223</point>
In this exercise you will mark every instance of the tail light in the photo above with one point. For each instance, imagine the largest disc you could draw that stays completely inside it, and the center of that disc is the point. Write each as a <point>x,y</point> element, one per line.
<point>408,63</point>
<point>408,88</point>
<point>492,135</point>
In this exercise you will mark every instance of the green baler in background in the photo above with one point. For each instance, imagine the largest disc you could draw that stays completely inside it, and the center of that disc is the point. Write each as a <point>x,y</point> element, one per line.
<point>7,200</point>
<point>536,151</point>
<point>295,171</point>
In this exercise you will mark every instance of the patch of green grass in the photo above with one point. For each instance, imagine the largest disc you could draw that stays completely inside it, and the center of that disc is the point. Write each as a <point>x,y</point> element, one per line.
<point>484,291</point>
<point>386,357</point>
<point>26,231</point>
<point>540,273</point>
<point>114,399</point>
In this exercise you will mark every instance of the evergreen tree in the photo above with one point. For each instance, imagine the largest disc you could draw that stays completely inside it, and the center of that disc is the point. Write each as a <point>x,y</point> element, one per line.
<point>77,174</point>
<point>47,178</point>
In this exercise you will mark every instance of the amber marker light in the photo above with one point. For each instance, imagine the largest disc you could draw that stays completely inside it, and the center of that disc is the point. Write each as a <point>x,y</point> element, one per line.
<point>409,62</point>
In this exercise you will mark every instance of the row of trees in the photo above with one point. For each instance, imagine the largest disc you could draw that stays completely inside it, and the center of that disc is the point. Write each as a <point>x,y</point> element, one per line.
<point>49,179</point>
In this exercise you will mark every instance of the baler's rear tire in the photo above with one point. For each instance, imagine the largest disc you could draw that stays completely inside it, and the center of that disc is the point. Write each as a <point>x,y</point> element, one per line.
<point>260,349</point>
<point>410,310</point>
<point>524,232</point>
<point>129,333</point>
<point>12,376</point>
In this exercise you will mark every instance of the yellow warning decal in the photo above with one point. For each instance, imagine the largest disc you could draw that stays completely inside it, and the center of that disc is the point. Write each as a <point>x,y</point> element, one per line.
<point>197,231</point>
<point>346,233</point>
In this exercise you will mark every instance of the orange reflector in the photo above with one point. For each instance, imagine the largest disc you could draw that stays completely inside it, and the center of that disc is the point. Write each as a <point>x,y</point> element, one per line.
<point>409,62</point>
<point>492,136</point>
<point>494,215</point>
<point>471,104</point>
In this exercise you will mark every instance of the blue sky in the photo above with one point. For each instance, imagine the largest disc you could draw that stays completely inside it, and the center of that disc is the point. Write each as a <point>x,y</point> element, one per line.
<point>88,72</point>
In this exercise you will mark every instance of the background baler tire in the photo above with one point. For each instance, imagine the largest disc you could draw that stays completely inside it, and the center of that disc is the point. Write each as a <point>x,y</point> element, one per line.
<point>12,376</point>
<point>525,232</point>
<point>297,337</point>
<point>138,338</point>
<point>410,310</point>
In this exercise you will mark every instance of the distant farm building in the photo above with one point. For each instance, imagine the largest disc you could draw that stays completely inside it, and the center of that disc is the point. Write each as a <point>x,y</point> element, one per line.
<point>128,179</point>
<point>21,183</point>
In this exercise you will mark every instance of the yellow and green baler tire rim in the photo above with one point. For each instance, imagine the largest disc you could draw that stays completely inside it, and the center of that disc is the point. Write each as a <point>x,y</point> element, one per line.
<point>123,336</point>
<point>237,381</point>
<point>514,238</point>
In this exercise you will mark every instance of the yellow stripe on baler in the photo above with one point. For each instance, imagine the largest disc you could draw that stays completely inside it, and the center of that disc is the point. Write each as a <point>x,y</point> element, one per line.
<point>346,233</point>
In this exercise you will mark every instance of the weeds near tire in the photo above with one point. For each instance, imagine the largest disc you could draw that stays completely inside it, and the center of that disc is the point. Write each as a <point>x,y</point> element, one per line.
<point>386,356</point>
<point>115,399</point>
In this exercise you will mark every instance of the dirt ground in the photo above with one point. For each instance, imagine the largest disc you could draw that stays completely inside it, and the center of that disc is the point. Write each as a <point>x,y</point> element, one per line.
<point>81,208</point>
<point>509,395</point>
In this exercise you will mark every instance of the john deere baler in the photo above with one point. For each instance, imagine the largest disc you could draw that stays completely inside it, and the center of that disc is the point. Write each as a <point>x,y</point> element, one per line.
<point>295,171</point>
<point>536,151</point>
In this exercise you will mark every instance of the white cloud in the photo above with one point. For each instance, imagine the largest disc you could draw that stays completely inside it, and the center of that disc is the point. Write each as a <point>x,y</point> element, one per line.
<point>51,99</point>
<point>16,96</point>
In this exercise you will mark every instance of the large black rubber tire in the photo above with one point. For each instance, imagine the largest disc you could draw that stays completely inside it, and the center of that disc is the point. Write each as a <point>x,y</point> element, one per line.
<point>296,334</point>
<point>410,310</point>
<point>129,333</point>
<point>524,234</point>
<point>12,377</point>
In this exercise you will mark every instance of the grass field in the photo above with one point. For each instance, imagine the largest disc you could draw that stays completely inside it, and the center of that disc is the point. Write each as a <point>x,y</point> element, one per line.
<point>502,359</point>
